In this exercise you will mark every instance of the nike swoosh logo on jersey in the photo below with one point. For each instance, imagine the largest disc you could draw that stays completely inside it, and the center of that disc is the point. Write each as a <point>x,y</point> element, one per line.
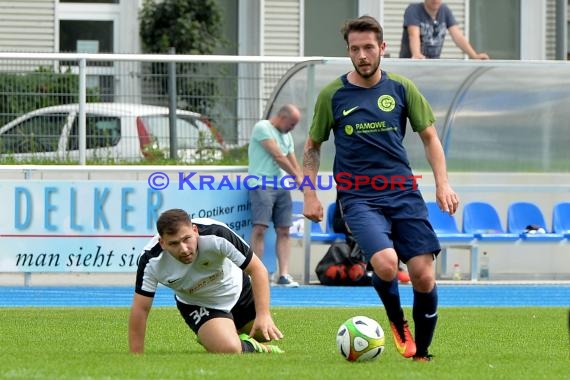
<point>173,281</point>
<point>348,111</point>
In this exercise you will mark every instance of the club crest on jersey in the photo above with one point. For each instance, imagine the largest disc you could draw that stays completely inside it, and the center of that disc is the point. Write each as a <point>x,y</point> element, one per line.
<point>348,129</point>
<point>386,103</point>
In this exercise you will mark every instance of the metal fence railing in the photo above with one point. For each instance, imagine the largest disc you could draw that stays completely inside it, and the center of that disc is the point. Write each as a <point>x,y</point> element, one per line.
<point>224,96</point>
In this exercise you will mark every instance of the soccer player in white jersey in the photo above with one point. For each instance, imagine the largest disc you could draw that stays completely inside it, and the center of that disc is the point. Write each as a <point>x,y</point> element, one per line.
<point>221,287</point>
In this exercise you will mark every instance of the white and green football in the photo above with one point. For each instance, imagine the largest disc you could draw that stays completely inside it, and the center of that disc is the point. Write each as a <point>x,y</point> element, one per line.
<point>360,338</point>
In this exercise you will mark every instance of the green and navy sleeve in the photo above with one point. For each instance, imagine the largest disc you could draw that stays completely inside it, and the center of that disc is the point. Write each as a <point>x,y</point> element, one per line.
<point>420,112</point>
<point>323,119</point>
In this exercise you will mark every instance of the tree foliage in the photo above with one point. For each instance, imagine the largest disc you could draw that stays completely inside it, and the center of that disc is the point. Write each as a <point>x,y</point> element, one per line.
<point>190,26</point>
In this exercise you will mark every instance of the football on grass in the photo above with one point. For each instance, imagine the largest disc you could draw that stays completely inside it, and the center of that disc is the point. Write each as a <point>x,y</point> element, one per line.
<point>360,338</point>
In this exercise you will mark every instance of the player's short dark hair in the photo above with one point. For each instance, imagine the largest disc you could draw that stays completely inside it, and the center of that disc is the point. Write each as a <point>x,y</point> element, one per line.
<point>363,24</point>
<point>170,221</point>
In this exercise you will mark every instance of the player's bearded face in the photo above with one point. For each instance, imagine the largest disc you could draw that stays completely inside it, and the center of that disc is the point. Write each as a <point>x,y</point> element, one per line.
<point>366,68</point>
<point>365,53</point>
<point>183,245</point>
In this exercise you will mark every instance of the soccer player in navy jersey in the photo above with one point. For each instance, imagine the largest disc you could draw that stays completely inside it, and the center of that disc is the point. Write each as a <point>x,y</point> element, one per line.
<point>221,287</point>
<point>367,109</point>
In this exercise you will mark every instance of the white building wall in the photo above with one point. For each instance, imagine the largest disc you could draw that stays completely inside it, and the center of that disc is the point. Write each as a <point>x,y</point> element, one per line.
<point>372,8</point>
<point>550,29</point>
<point>282,36</point>
<point>27,26</point>
<point>30,25</point>
<point>282,28</point>
<point>533,29</point>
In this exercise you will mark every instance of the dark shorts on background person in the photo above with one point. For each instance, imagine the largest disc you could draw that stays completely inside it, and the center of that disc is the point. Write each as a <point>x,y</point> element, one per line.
<point>271,205</point>
<point>401,224</point>
<point>242,313</point>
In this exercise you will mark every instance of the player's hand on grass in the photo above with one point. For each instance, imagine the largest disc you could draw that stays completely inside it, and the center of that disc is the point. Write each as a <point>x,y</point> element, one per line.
<point>263,326</point>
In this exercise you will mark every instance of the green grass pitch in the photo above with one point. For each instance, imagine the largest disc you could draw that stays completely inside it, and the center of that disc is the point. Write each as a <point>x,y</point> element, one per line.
<point>91,343</point>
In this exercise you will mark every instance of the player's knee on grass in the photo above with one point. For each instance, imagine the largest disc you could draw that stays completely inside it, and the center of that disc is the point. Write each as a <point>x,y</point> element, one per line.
<point>222,344</point>
<point>218,335</point>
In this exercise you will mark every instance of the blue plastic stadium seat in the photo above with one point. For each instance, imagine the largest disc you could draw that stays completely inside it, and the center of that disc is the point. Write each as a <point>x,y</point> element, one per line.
<point>520,215</point>
<point>445,225</point>
<point>482,220</point>
<point>561,219</point>
<point>329,223</point>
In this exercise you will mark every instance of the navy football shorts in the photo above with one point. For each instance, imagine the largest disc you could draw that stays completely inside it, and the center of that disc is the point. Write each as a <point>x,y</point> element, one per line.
<point>400,223</point>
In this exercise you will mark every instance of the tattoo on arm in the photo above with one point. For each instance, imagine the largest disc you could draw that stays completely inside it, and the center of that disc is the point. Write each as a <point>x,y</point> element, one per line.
<point>312,159</point>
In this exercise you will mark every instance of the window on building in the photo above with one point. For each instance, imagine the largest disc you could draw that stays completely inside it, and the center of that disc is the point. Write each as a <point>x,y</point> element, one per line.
<point>230,27</point>
<point>494,27</point>
<point>225,112</point>
<point>323,20</point>
<point>85,36</point>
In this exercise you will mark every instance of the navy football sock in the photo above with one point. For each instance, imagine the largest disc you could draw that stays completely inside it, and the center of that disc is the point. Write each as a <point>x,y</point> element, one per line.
<point>390,295</point>
<point>425,319</point>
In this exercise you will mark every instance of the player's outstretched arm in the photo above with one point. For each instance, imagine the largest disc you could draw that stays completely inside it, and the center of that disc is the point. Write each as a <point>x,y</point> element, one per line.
<point>415,44</point>
<point>462,43</point>
<point>447,199</point>
<point>137,322</point>
<point>263,324</point>
<point>312,207</point>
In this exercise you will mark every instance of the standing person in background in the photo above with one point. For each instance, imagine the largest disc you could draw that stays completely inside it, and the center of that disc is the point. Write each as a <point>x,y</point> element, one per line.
<point>425,25</point>
<point>367,110</point>
<point>271,156</point>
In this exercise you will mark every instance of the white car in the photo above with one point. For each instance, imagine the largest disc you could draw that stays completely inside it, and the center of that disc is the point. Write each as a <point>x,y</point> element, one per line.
<point>115,131</point>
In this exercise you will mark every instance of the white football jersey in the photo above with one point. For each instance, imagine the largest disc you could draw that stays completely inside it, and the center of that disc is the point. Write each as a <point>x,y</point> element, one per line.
<point>214,279</point>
